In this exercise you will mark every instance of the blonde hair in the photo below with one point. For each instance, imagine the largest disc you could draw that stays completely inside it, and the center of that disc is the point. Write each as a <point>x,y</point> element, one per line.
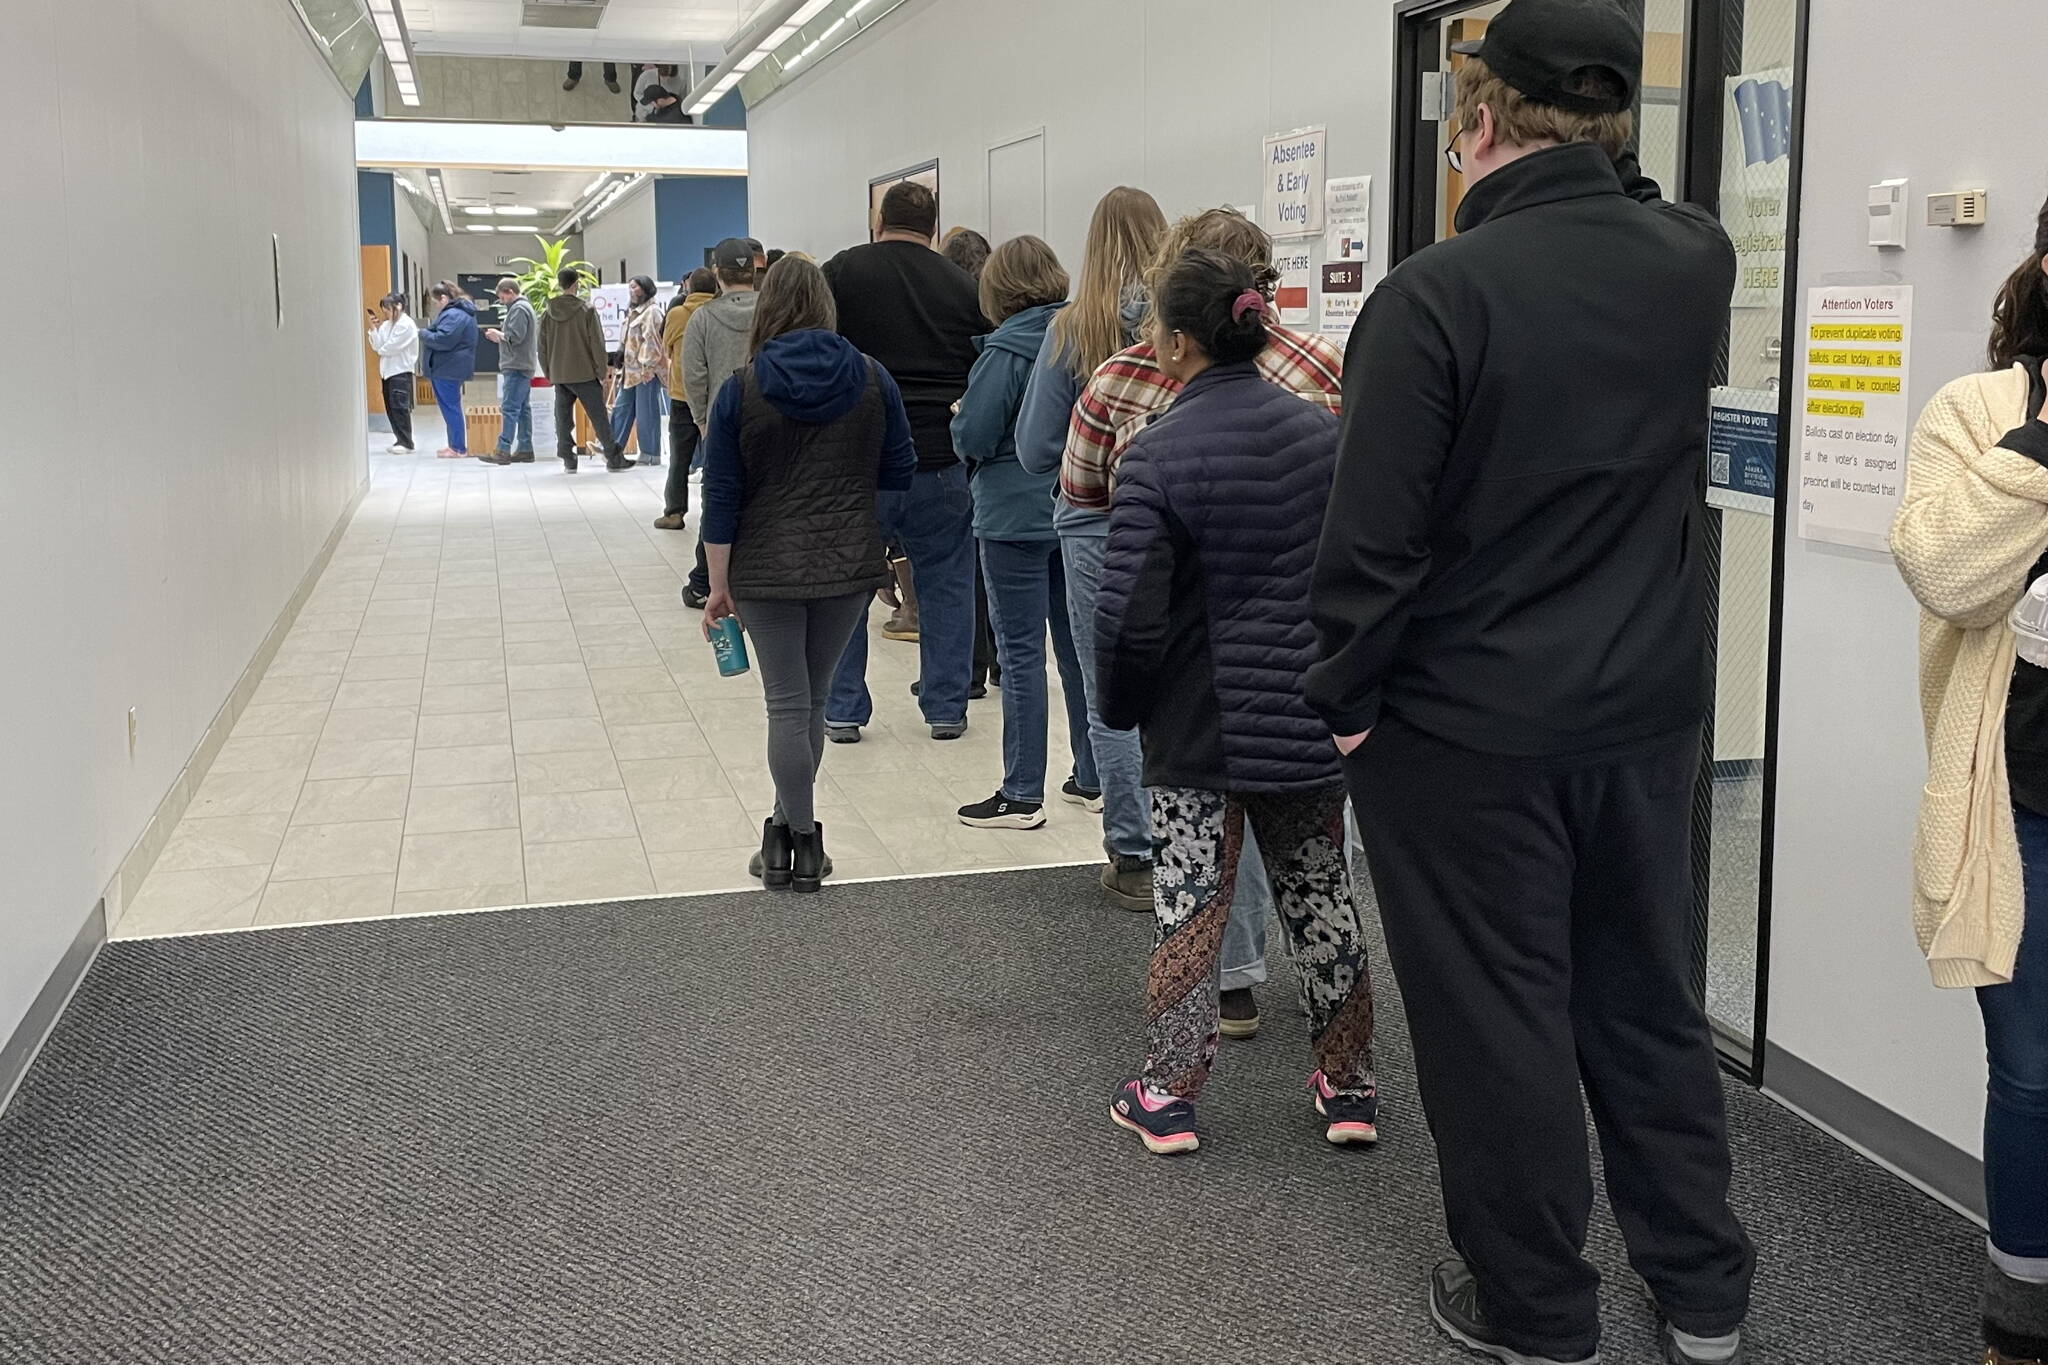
<point>1021,273</point>
<point>1224,231</point>
<point>1123,237</point>
<point>1519,121</point>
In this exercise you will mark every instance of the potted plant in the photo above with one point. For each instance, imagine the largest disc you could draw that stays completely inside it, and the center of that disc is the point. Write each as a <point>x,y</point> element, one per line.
<point>537,277</point>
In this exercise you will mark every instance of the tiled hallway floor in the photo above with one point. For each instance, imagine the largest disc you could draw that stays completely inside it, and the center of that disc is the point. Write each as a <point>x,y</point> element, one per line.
<point>495,696</point>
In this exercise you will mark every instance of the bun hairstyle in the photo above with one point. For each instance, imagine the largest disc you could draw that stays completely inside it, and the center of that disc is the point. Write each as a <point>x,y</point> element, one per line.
<point>1215,300</point>
<point>2019,320</point>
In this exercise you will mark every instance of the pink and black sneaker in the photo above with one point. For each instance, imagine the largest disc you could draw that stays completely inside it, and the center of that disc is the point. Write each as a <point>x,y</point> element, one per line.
<point>1351,1118</point>
<point>1165,1128</point>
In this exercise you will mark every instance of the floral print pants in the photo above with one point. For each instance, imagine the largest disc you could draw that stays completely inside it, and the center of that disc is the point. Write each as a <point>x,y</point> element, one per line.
<point>1197,837</point>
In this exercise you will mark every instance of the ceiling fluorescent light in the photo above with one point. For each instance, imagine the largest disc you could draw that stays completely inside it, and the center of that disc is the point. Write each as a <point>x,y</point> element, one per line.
<point>517,211</point>
<point>513,227</point>
<point>477,227</point>
<point>481,210</point>
<point>440,190</point>
<point>776,25</point>
<point>593,186</point>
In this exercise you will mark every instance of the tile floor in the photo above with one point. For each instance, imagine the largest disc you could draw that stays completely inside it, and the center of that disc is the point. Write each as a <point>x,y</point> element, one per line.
<point>494,696</point>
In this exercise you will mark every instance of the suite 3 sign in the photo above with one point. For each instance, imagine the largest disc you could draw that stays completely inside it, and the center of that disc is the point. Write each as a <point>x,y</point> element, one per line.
<point>1291,187</point>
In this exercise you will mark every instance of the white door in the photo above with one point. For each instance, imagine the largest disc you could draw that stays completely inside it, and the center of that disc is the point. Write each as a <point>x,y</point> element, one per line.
<point>1016,188</point>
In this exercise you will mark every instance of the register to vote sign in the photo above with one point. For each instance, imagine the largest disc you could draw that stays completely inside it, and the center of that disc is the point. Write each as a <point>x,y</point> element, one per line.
<point>1853,414</point>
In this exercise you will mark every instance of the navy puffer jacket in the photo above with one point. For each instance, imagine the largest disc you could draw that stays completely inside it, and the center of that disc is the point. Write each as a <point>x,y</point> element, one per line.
<point>1202,629</point>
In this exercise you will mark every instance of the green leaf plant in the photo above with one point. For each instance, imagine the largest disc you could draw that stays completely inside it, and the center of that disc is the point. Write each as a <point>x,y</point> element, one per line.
<point>537,277</point>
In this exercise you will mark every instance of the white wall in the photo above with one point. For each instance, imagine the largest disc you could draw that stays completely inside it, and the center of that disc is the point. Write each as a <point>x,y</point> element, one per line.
<point>413,242</point>
<point>479,252</point>
<point>1849,992</point>
<point>179,459</point>
<point>625,232</point>
<point>1171,96</point>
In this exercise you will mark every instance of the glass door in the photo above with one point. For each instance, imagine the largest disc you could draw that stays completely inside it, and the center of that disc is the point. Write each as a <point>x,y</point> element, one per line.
<point>1715,127</point>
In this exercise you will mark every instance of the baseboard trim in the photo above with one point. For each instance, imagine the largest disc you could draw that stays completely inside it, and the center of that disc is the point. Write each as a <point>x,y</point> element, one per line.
<point>19,1051</point>
<point>142,856</point>
<point>1930,1163</point>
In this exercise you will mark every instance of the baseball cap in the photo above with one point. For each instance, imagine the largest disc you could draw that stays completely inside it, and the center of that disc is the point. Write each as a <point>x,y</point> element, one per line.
<point>1538,46</point>
<point>658,92</point>
<point>732,254</point>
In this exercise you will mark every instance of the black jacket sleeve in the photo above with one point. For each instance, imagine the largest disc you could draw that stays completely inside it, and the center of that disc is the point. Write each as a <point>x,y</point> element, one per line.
<point>1132,607</point>
<point>1400,386</point>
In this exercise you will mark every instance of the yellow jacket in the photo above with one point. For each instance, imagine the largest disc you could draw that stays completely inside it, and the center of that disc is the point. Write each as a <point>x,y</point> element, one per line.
<point>1973,523</point>
<point>672,331</point>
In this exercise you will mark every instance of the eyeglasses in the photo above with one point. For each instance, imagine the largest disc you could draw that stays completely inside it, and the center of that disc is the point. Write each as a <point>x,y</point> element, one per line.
<point>1452,154</point>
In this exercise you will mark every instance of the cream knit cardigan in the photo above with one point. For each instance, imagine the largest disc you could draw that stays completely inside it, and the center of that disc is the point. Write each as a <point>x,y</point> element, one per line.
<point>1973,523</point>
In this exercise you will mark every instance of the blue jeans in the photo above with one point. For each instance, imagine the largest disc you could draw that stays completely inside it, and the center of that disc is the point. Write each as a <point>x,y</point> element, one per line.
<point>515,401</point>
<point>638,407</point>
<point>1127,807</point>
<point>934,523</point>
<point>1027,591</point>
<point>2016,1036</point>
<point>448,397</point>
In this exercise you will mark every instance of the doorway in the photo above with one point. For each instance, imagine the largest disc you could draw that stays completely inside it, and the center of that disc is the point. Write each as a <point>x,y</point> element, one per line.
<point>1717,126</point>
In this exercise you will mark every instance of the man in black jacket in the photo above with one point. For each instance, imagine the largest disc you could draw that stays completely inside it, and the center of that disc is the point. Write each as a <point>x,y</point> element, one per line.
<point>1510,600</point>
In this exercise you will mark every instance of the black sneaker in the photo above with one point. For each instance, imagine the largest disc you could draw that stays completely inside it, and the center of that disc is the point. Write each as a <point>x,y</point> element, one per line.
<point>1165,1131</point>
<point>1000,812</point>
<point>1454,1303</point>
<point>1237,1014</point>
<point>842,734</point>
<point>693,599</point>
<point>975,693</point>
<point>568,464</point>
<point>1685,1349</point>
<point>1352,1119</point>
<point>1073,791</point>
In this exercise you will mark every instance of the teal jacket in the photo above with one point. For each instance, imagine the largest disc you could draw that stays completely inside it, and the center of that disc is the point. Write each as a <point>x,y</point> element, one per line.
<point>1010,503</point>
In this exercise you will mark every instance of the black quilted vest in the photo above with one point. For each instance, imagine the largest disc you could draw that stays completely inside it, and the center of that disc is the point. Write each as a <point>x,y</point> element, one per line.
<point>807,526</point>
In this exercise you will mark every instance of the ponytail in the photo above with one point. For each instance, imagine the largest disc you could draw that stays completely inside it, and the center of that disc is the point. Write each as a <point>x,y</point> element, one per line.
<point>2019,320</point>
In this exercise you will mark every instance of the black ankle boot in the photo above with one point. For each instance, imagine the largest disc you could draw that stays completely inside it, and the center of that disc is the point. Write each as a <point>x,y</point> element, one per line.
<point>809,866</point>
<point>777,854</point>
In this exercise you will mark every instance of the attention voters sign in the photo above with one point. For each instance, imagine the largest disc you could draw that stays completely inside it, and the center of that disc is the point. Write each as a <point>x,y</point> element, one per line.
<point>1291,192</point>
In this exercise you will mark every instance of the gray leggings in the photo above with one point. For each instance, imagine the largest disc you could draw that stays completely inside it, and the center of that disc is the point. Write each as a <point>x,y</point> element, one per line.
<point>797,646</point>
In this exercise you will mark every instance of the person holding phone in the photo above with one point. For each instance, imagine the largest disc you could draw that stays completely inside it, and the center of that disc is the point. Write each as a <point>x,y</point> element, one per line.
<point>395,337</point>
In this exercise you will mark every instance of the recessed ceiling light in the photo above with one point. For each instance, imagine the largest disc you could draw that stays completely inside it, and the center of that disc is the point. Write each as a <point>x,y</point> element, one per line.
<point>478,227</point>
<point>481,210</point>
<point>513,227</point>
<point>517,211</point>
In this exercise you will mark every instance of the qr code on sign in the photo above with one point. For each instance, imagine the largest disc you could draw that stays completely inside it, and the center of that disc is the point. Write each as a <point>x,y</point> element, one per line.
<point>1717,468</point>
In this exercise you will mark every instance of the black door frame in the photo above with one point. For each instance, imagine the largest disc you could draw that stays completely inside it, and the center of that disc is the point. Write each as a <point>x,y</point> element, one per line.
<point>1713,51</point>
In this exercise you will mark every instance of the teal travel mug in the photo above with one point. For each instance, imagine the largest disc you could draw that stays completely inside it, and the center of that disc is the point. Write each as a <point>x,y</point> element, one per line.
<point>729,644</point>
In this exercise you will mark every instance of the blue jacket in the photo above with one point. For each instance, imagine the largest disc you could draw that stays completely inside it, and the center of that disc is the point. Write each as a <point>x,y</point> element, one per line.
<point>448,343</point>
<point>809,376</point>
<point>1202,628</point>
<point>1010,501</point>
<point>1048,413</point>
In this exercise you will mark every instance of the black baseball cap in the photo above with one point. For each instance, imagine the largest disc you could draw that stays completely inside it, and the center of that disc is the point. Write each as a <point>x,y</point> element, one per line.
<point>658,92</point>
<point>1538,46</point>
<point>732,254</point>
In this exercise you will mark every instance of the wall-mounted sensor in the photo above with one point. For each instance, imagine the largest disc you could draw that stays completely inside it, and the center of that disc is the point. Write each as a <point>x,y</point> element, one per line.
<point>1959,208</point>
<point>1888,214</point>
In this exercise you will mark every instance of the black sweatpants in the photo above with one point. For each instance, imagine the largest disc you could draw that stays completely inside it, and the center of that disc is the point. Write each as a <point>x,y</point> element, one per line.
<point>682,448</point>
<point>398,396</point>
<point>1539,917</point>
<point>590,393</point>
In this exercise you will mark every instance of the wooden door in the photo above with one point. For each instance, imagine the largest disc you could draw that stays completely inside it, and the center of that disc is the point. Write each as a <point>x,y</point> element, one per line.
<point>376,284</point>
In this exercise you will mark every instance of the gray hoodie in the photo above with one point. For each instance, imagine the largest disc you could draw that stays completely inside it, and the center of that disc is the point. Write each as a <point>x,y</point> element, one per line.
<point>520,349</point>
<point>714,347</point>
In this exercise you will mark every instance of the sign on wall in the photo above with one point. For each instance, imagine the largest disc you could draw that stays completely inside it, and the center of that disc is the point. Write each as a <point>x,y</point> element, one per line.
<point>1756,183</point>
<point>1291,190</point>
<point>1742,451</point>
<point>1853,412</point>
<point>1349,217</point>
<point>1343,296</point>
<point>1296,264</point>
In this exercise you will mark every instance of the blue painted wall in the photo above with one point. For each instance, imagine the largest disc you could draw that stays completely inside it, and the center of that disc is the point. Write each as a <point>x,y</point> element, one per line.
<point>377,213</point>
<point>729,112</point>
<point>366,103</point>
<point>693,213</point>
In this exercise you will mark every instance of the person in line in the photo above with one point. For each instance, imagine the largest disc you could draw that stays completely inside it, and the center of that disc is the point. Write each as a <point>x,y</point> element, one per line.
<point>693,293</point>
<point>396,340</point>
<point>801,445</point>
<point>1022,289</point>
<point>572,353</point>
<point>611,76</point>
<point>916,313</point>
<point>1970,539</point>
<point>518,343</point>
<point>774,254</point>
<point>715,342</point>
<point>449,345</point>
<point>967,249</point>
<point>662,105</point>
<point>1511,603</point>
<point>1202,637</point>
<point>1123,239</point>
<point>1123,394</point>
<point>643,363</point>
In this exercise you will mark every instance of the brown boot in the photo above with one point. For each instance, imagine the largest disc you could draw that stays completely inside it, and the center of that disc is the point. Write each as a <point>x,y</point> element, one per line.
<point>902,625</point>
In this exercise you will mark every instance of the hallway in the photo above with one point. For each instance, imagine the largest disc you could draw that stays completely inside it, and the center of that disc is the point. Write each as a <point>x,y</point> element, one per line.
<point>495,696</point>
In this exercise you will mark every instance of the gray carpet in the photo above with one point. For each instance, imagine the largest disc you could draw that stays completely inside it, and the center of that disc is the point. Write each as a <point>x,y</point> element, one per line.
<point>861,1126</point>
